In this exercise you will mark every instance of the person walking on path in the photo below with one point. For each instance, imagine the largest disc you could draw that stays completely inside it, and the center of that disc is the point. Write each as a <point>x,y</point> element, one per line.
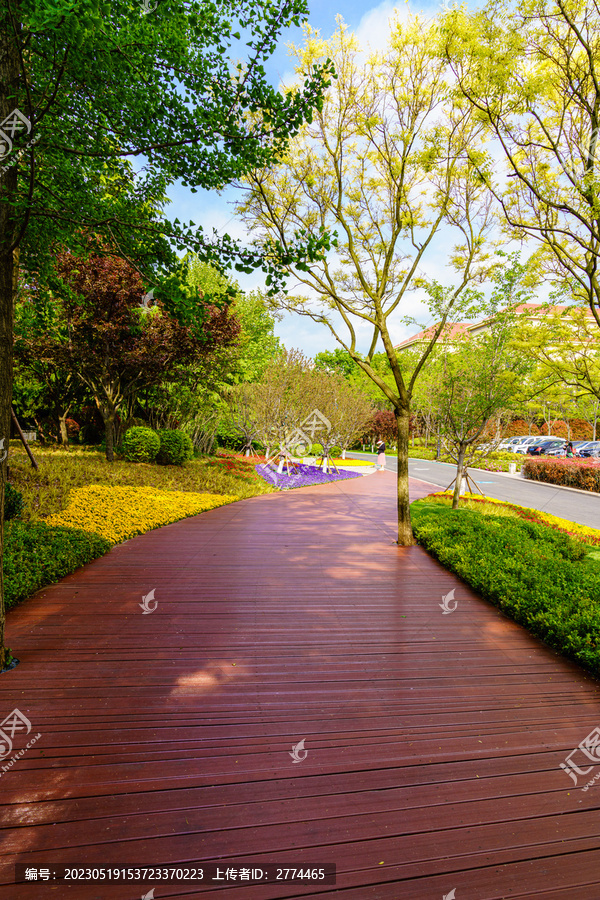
<point>380,455</point>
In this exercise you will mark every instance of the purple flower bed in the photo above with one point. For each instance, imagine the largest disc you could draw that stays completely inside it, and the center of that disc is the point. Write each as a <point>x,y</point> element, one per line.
<point>301,477</point>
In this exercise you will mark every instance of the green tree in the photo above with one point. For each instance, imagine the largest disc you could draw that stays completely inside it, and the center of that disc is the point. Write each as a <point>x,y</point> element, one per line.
<point>113,344</point>
<point>473,380</point>
<point>86,88</point>
<point>385,165</point>
<point>532,73</point>
<point>256,344</point>
<point>564,346</point>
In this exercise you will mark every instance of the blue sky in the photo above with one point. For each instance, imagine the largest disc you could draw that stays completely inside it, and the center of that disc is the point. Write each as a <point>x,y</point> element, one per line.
<point>214,210</point>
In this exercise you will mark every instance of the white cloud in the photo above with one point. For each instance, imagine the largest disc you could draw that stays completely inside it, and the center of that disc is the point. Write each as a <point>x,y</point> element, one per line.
<point>373,31</point>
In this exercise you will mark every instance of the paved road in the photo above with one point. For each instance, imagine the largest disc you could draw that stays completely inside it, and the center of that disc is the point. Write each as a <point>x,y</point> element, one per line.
<point>573,505</point>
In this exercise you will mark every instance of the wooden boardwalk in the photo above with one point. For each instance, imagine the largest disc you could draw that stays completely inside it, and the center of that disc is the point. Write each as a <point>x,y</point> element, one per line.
<point>434,741</point>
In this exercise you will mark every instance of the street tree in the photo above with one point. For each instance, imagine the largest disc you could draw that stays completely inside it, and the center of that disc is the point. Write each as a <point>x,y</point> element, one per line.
<point>282,399</point>
<point>564,345</point>
<point>532,73</point>
<point>385,165</point>
<point>474,381</point>
<point>348,410</point>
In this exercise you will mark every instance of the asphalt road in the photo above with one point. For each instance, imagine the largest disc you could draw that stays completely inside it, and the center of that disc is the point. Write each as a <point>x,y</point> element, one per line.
<point>577,506</point>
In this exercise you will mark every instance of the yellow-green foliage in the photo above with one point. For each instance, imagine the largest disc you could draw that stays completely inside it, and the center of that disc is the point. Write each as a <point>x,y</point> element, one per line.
<point>119,513</point>
<point>46,490</point>
<point>491,506</point>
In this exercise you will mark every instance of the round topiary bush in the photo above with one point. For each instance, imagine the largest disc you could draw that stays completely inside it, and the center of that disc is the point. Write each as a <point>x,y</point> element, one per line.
<point>175,448</point>
<point>335,452</point>
<point>13,502</point>
<point>140,444</point>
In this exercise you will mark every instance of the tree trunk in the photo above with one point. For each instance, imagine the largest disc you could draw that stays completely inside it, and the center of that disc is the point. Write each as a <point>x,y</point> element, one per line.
<point>460,468</point>
<point>405,532</point>
<point>9,73</point>
<point>109,425</point>
<point>62,424</point>
<point>6,369</point>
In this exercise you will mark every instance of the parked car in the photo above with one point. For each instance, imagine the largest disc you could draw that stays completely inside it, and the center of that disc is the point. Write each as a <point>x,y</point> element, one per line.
<point>510,443</point>
<point>528,442</point>
<point>591,448</point>
<point>547,447</point>
<point>578,446</point>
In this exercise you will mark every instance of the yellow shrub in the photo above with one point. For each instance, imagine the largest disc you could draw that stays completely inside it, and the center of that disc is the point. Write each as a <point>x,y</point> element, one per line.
<point>119,513</point>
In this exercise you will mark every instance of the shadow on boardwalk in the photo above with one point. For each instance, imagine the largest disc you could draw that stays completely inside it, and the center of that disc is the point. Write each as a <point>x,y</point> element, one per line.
<point>434,741</point>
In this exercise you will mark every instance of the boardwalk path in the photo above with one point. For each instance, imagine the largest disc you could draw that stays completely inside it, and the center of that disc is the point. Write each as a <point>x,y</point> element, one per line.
<point>434,741</point>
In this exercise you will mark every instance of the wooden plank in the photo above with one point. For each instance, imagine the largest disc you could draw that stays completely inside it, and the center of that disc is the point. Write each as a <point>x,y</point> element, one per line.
<point>434,741</point>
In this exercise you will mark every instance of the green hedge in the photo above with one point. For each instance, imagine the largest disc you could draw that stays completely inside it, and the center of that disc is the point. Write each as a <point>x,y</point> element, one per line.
<point>175,448</point>
<point>13,502</point>
<point>140,444</point>
<point>494,462</point>
<point>539,577</point>
<point>36,555</point>
<point>578,473</point>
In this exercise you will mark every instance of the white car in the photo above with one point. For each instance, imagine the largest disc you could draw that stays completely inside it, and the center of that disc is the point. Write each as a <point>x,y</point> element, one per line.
<point>510,443</point>
<point>523,446</point>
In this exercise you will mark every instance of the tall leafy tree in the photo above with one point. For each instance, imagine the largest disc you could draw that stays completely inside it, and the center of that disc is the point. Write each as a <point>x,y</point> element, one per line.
<point>472,381</point>
<point>89,88</point>
<point>533,75</point>
<point>385,164</point>
<point>114,344</point>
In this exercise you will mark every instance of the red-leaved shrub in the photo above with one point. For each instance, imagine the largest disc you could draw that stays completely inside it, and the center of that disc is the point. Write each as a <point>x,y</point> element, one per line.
<point>72,428</point>
<point>581,430</point>
<point>518,427</point>
<point>578,473</point>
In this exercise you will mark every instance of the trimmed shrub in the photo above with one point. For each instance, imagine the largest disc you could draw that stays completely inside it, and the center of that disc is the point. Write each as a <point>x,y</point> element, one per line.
<point>537,576</point>
<point>578,473</point>
<point>140,444</point>
<point>73,429</point>
<point>13,502</point>
<point>36,554</point>
<point>581,430</point>
<point>518,427</point>
<point>560,429</point>
<point>175,448</point>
